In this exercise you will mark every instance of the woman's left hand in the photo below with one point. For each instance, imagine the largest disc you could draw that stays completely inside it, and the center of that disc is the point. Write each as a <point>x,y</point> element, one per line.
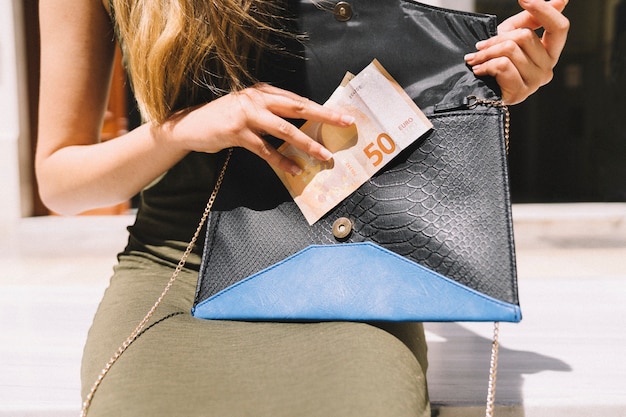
<point>521,61</point>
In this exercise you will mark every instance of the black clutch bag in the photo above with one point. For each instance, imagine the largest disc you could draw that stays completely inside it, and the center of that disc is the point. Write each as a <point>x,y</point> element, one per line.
<point>429,238</point>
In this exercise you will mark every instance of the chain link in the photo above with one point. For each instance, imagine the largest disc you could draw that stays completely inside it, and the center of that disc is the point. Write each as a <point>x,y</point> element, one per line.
<point>474,101</point>
<point>493,370</point>
<point>183,260</point>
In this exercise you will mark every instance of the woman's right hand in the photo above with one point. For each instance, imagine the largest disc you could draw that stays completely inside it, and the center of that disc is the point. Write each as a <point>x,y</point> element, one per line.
<point>241,119</point>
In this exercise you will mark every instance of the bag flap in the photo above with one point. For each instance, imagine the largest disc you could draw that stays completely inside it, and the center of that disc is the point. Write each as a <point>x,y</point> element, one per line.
<point>368,283</point>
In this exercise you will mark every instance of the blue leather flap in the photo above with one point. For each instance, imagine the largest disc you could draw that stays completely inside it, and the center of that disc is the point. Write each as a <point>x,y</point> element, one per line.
<point>353,282</point>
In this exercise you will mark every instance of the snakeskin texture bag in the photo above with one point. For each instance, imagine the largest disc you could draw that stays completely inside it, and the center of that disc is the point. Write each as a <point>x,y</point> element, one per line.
<point>429,238</point>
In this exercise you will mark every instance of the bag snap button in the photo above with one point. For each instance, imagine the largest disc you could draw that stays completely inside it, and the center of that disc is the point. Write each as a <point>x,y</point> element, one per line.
<point>342,227</point>
<point>342,11</point>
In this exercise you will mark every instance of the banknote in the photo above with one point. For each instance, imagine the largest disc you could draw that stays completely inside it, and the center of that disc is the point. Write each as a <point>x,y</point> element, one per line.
<point>386,122</point>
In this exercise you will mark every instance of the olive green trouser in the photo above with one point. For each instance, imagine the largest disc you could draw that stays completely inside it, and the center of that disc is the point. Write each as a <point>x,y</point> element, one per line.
<point>182,366</point>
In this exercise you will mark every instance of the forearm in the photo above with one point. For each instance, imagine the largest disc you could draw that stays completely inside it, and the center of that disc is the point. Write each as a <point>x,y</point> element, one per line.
<point>76,178</point>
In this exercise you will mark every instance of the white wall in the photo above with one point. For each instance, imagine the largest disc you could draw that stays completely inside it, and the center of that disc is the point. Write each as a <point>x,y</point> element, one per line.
<point>15,201</point>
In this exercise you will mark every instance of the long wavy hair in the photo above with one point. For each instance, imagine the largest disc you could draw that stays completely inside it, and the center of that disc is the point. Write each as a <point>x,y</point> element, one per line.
<point>177,50</point>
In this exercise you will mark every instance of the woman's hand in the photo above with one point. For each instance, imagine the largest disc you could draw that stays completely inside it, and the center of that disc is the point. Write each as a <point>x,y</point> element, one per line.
<point>520,61</point>
<point>242,119</point>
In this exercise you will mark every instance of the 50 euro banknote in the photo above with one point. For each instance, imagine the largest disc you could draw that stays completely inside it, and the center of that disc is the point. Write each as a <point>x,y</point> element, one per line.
<point>386,122</point>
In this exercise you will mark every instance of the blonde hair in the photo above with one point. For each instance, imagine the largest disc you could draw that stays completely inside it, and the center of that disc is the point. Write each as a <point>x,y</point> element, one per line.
<point>178,50</point>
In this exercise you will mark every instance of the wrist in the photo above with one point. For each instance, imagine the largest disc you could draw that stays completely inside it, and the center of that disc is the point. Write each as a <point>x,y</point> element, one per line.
<point>168,137</point>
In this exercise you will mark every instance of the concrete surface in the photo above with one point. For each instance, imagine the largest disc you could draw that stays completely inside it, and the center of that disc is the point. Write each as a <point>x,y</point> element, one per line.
<point>566,358</point>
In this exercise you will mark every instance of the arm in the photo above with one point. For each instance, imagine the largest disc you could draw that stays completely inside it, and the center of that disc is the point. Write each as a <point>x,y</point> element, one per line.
<point>76,172</point>
<point>520,61</point>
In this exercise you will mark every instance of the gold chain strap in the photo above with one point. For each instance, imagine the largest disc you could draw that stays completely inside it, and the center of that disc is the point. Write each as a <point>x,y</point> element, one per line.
<point>140,327</point>
<point>493,370</point>
<point>475,101</point>
<point>495,344</point>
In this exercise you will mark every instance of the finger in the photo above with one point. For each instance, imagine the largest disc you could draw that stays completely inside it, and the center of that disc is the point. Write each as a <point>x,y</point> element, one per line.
<point>525,51</point>
<point>257,145</point>
<point>514,88</point>
<point>520,65</point>
<point>265,108</point>
<point>527,17</point>
<point>539,13</point>
<point>555,34</point>
<point>283,104</point>
<point>288,104</point>
<point>282,129</point>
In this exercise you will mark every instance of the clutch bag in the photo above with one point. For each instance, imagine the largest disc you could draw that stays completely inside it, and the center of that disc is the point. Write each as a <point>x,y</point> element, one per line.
<point>429,238</point>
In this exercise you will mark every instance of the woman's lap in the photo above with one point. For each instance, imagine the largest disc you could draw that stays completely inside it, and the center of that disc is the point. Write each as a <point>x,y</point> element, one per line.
<point>186,366</point>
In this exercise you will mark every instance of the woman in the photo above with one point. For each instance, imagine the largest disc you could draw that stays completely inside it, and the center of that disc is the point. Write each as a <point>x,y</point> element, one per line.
<point>180,365</point>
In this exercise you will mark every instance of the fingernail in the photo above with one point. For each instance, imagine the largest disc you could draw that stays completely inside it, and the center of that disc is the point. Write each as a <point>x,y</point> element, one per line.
<point>326,154</point>
<point>347,119</point>
<point>480,44</point>
<point>469,57</point>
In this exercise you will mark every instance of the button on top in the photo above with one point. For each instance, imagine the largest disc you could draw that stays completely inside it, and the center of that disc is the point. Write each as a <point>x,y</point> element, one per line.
<point>343,11</point>
<point>342,228</point>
